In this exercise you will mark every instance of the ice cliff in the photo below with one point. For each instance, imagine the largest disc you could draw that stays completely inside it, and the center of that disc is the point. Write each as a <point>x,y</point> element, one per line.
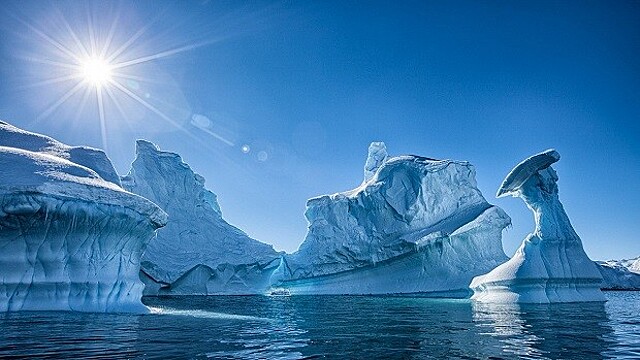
<point>550,265</point>
<point>620,274</point>
<point>198,252</point>
<point>70,237</point>
<point>415,225</point>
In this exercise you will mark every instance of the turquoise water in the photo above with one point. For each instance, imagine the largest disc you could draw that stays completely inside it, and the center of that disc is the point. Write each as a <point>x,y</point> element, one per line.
<point>359,327</point>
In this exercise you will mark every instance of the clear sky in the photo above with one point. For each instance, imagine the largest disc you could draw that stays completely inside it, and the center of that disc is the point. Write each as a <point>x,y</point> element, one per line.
<point>276,102</point>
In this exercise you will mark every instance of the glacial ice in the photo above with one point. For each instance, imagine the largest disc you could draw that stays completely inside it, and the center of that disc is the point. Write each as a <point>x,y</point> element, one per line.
<point>70,237</point>
<point>415,225</point>
<point>620,274</point>
<point>197,252</point>
<point>550,266</point>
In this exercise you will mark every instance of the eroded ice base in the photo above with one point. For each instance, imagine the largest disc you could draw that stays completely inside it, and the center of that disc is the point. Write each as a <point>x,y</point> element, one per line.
<point>62,254</point>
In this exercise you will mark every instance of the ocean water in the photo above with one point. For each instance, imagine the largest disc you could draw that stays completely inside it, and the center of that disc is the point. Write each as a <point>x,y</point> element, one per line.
<point>333,327</point>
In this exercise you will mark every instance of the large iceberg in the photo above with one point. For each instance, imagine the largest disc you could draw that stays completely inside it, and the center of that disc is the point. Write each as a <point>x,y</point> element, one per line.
<point>620,274</point>
<point>198,252</point>
<point>550,266</point>
<point>415,225</point>
<point>70,237</point>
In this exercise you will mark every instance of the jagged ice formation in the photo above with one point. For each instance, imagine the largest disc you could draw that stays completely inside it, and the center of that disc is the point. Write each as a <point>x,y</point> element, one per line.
<point>415,225</point>
<point>198,252</point>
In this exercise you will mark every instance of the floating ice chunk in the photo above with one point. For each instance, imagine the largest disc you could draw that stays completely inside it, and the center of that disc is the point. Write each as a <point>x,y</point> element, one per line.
<point>416,225</point>
<point>550,265</point>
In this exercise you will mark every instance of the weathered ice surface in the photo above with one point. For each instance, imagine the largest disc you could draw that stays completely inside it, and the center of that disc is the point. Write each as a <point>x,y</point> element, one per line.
<point>415,225</point>
<point>620,274</point>
<point>70,237</point>
<point>198,252</point>
<point>550,265</point>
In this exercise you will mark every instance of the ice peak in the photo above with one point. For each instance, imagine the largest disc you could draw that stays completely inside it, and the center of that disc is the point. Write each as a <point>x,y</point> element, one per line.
<point>376,157</point>
<point>144,146</point>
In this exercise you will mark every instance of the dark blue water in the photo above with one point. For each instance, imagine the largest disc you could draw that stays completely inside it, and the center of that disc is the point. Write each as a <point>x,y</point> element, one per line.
<point>359,327</point>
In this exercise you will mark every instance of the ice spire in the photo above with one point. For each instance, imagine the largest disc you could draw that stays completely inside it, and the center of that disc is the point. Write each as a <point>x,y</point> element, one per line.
<point>550,265</point>
<point>376,157</point>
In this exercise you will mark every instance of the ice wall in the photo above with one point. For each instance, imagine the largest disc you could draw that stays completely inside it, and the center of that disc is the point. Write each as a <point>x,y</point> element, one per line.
<point>550,265</point>
<point>415,225</point>
<point>70,237</point>
<point>198,252</point>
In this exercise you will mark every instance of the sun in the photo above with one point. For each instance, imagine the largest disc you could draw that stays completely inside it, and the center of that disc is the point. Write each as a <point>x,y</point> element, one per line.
<point>94,60</point>
<point>96,71</point>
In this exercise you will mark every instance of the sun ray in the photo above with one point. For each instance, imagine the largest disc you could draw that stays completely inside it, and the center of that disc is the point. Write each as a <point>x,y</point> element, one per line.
<point>217,136</point>
<point>52,62</point>
<point>73,34</point>
<point>143,79</point>
<point>158,112</point>
<point>92,35</point>
<point>50,40</point>
<point>116,102</point>
<point>133,38</point>
<point>162,54</point>
<point>112,31</point>
<point>60,101</point>
<point>83,103</point>
<point>103,123</point>
<point>56,80</point>
<point>145,104</point>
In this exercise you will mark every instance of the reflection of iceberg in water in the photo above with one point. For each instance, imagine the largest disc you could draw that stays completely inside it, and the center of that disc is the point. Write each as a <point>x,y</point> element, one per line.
<point>555,331</point>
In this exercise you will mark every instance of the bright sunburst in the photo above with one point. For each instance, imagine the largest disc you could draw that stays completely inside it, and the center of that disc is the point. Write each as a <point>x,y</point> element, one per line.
<point>96,71</point>
<point>98,63</point>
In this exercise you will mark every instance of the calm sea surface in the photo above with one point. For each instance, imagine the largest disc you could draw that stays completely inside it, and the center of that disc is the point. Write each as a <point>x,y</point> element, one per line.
<point>359,327</point>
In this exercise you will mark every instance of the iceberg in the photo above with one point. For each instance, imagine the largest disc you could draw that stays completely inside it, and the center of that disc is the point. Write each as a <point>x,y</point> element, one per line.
<point>620,274</point>
<point>550,266</point>
<point>414,225</point>
<point>197,252</point>
<point>70,237</point>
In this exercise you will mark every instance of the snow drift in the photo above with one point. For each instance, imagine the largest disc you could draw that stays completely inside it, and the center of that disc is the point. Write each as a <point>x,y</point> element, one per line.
<point>550,265</point>
<point>198,252</point>
<point>415,225</point>
<point>70,237</point>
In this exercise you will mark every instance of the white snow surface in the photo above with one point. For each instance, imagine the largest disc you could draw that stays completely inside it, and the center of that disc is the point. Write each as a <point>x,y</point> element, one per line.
<point>71,237</point>
<point>620,274</point>
<point>198,252</point>
<point>550,265</point>
<point>415,225</point>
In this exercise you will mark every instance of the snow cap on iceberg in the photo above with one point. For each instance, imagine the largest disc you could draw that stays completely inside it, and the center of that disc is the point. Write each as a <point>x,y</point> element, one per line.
<point>34,163</point>
<point>97,160</point>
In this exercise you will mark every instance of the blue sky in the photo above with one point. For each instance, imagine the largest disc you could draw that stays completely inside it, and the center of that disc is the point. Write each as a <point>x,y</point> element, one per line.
<point>308,85</point>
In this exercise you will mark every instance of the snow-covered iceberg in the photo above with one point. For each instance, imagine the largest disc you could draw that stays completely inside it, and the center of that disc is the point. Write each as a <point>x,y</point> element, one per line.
<point>198,252</point>
<point>70,237</point>
<point>415,225</point>
<point>620,274</point>
<point>550,265</point>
